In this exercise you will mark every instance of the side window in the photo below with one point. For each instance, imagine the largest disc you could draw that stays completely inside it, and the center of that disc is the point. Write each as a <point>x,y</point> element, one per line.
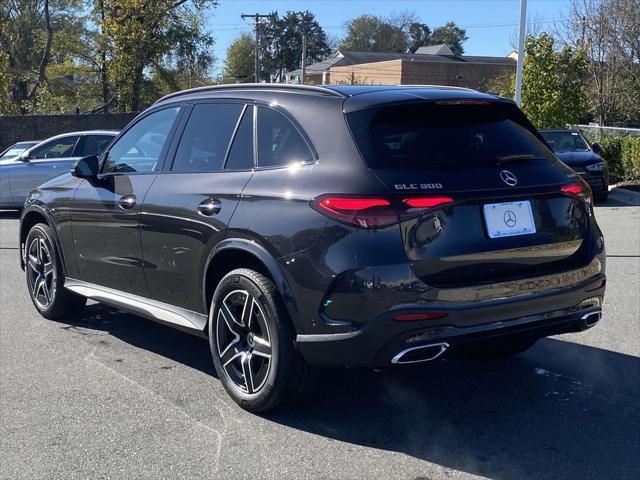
<point>95,144</point>
<point>60,148</point>
<point>139,149</point>
<point>241,153</point>
<point>206,137</point>
<point>279,142</point>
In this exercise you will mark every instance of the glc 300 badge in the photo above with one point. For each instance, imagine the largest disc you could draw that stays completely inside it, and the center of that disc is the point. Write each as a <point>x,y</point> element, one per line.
<point>418,186</point>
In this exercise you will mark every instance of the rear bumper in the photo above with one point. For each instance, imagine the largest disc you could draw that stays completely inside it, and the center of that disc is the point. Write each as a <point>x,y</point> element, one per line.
<point>536,315</point>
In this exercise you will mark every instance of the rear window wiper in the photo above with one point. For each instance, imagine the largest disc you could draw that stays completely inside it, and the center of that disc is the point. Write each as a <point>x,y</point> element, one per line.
<point>516,158</point>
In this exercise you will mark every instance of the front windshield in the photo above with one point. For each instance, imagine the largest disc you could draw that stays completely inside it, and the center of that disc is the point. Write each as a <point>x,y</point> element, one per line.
<point>565,141</point>
<point>16,150</point>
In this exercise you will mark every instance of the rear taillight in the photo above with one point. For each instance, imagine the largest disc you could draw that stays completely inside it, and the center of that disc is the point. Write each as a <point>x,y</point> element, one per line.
<point>579,190</point>
<point>361,212</point>
<point>427,202</point>
<point>376,212</point>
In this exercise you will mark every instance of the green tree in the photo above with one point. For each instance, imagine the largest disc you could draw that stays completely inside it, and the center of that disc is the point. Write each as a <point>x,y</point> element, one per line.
<point>553,92</point>
<point>502,85</point>
<point>27,30</point>
<point>419,35</point>
<point>6,106</point>
<point>145,33</point>
<point>368,33</point>
<point>239,62</point>
<point>73,73</point>
<point>283,39</point>
<point>400,33</point>
<point>451,35</point>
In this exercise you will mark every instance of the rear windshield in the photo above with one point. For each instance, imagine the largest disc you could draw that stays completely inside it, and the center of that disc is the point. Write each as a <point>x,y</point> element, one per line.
<point>431,135</point>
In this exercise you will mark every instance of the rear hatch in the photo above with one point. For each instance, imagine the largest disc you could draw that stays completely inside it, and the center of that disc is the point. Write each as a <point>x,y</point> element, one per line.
<point>504,206</point>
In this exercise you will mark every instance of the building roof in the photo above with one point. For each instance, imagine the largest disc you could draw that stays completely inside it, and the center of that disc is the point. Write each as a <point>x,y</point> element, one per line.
<point>355,58</point>
<point>441,49</point>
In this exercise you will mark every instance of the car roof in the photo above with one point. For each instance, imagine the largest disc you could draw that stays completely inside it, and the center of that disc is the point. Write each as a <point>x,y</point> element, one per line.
<point>71,134</point>
<point>88,132</point>
<point>381,93</point>
<point>569,130</point>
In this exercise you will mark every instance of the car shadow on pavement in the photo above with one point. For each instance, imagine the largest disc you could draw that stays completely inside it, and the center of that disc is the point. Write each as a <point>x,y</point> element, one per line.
<point>561,410</point>
<point>612,203</point>
<point>139,332</point>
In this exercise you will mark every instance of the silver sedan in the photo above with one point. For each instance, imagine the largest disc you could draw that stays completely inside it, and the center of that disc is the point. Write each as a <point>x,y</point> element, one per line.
<point>49,158</point>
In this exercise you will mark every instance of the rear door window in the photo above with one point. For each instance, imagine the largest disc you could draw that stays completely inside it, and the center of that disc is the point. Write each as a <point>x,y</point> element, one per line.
<point>206,137</point>
<point>430,135</point>
<point>95,144</point>
<point>279,142</point>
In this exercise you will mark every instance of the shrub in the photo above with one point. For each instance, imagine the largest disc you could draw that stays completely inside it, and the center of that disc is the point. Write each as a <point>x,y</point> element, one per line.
<point>631,158</point>
<point>612,153</point>
<point>623,157</point>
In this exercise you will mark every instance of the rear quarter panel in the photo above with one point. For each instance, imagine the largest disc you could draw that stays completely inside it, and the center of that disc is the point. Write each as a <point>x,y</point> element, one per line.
<point>275,210</point>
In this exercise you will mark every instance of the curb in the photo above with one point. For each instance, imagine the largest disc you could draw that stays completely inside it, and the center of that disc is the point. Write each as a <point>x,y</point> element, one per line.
<point>625,196</point>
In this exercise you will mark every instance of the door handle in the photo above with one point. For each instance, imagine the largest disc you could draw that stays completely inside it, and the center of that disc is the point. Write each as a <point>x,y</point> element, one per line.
<point>209,207</point>
<point>127,202</point>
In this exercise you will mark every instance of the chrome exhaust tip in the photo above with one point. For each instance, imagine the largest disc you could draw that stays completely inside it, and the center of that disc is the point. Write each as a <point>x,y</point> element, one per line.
<point>591,318</point>
<point>419,354</point>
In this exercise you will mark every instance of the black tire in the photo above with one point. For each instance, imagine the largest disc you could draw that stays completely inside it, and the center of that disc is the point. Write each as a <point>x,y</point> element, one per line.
<point>239,347</point>
<point>499,348</point>
<point>603,197</point>
<point>45,277</point>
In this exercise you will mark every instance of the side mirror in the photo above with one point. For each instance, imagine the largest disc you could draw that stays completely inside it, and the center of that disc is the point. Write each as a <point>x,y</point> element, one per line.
<point>597,149</point>
<point>25,157</point>
<point>86,167</point>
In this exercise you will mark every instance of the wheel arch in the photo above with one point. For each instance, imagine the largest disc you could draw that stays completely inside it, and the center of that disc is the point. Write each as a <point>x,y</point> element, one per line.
<point>234,253</point>
<point>31,216</point>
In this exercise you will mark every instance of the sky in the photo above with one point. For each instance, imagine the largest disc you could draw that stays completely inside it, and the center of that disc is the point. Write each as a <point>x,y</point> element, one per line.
<point>490,24</point>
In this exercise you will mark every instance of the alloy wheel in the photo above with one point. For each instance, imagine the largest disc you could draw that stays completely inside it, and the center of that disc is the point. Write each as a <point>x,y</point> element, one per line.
<point>40,272</point>
<point>243,341</point>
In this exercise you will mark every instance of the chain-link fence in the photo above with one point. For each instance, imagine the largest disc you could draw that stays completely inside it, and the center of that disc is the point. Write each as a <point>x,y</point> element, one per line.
<point>39,127</point>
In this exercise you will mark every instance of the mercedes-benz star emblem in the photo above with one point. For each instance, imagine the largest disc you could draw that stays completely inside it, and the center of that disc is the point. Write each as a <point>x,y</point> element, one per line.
<point>509,218</point>
<point>509,178</point>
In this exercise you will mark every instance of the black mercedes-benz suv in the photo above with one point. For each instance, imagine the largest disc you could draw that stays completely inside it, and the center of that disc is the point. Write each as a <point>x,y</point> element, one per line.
<point>572,148</point>
<point>338,225</point>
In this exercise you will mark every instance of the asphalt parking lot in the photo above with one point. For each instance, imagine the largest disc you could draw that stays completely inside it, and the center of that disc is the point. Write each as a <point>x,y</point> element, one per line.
<point>111,395</point>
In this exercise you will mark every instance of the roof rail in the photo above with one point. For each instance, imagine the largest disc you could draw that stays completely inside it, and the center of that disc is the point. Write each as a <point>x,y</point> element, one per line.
<point>255,86</point>
<point>446,87</point>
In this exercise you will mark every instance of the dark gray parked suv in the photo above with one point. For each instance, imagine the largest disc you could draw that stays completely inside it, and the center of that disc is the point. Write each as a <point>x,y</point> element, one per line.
<point>338,226</point>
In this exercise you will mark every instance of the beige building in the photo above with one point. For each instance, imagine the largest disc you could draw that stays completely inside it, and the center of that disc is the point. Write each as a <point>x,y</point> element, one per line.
<point>435,65</point>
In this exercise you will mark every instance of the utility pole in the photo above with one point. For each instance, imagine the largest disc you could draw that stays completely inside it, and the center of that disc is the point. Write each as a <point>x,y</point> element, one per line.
<point>256,18</point>
<point>304,58</point>
<point>523,28</point>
